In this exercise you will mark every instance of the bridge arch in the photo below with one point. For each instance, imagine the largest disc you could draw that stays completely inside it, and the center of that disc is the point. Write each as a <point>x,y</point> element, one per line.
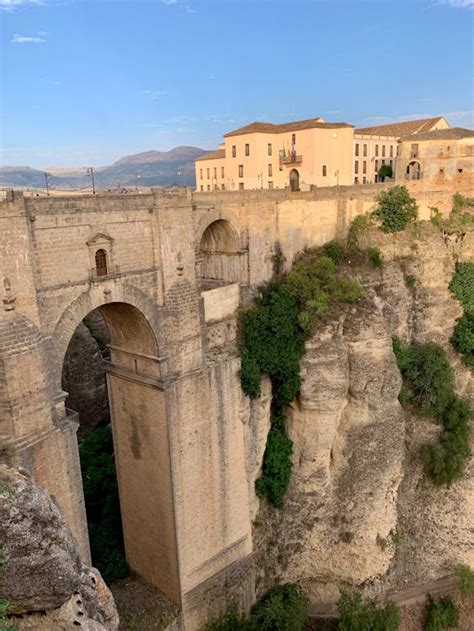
<point>139,419</point>
<point>221,257</point>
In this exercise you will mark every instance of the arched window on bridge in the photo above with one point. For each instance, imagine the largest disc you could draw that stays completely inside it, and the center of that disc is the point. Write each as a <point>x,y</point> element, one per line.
<point>101,263</point>
<point>220,257</point>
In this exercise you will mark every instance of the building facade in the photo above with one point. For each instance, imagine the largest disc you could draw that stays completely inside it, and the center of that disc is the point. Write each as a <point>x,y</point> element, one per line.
<point>266,156</point>
<point>438,156</point>
<point>306,153</point>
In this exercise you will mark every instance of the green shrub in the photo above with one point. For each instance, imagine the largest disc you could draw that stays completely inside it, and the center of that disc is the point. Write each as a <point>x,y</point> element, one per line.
<point>385,171</point>
<point>272,343</point>
<point>429,374</point>
<point>354,615</point>
<point>102,504</point>
<point>334,251</point>
<point>462,284</point>
<point>4,624</point>
<point>396,209</point>
<point>284,608</point>
<point>466,577</point>
<point>277,465</point>
<point>230,621</point>
<point>410,281</point>
<point>375,256</point>
<point>441,614</point>
<point>359,228</point>
<point>463,338</point>
<point>430,378</point>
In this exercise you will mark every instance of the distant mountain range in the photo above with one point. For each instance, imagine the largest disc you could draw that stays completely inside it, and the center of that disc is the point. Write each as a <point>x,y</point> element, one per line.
<point>154,168</point>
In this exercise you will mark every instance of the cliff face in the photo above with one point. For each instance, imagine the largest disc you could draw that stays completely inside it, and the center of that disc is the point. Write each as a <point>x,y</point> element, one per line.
<point>41,576</point>
<point>358,511</point>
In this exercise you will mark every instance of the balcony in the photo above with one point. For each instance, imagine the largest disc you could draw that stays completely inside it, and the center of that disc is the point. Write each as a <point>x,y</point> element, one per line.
<point>294,159</point>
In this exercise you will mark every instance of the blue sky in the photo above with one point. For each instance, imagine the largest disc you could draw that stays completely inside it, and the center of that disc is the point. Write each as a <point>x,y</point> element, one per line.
<point>85,82</point>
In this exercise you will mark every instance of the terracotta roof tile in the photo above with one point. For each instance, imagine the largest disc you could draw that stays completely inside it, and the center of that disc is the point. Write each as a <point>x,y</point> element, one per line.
<point>220,153</point>
<point>403,128</point>
<point>453,133</point>
<point>270,128</point>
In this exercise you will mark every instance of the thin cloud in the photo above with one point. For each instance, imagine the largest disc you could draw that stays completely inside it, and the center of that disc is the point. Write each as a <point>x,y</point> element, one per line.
<point>29,39</point>
<point>457,4</point>
<point>11,5</point>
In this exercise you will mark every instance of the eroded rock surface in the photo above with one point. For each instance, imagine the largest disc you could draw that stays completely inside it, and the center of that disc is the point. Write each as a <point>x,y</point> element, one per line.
<point>42,576</point>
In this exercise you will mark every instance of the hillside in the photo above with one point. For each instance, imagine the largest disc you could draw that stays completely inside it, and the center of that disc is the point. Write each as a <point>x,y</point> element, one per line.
<point>155,168</point>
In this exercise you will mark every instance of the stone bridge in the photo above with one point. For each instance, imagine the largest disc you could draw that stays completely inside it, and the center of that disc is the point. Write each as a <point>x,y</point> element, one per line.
<point>167,273</point>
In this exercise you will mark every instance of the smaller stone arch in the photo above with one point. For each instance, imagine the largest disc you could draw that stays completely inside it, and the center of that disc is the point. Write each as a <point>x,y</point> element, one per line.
<point>219,258</point>
<point>294,180</point>
<point>413,170</point>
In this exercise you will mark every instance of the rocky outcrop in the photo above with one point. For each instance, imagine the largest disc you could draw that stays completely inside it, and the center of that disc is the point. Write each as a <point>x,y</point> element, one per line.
<point>358,511</point>
<point>42,576</point>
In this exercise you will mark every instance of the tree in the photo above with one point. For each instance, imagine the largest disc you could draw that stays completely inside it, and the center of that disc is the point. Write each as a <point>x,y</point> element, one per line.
<point>385,171</point>
<point>396,208</point>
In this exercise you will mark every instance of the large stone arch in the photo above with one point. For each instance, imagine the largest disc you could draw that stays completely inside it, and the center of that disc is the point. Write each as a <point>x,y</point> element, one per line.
<point>221,256</point>
<point>101,294</point>
<point>139,416</point>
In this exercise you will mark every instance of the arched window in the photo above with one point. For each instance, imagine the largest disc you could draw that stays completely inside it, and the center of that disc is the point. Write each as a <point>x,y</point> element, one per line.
<point>101,263</point>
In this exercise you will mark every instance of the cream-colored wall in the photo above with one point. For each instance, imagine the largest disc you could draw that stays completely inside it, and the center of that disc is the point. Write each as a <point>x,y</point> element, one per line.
<point>375,148</point>
<point>318,147</point>
<point>440,160</point>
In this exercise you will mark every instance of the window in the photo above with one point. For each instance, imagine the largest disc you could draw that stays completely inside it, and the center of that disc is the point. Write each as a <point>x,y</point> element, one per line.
<point>202,188</point>
<point>234,151</point>
<point>376,150</point>
<point>215,187</point>
<point>215,173</point>
<point>269,148</point>
<point>414,151</point>
<point>383,162</point>
<point>356,166</point>
<point>247,149</point>
<point>208,187</point>
<point>241,186</point>
<point>365,151</point>
<point>200,173</point>
<point>391,163</point>
<point>391,151</point>
<point>357,149</point>
<point>459,170</point>
<point>293,139</point>
<point>364,180</point>
<point>241,170</point>
<point>270,184</point>
<point>101,263</point>
<point>364,166</point>
<point>270,170</point>
<point>208,174</point>
<point>325,170</point>
<point>222,172</point>
<point>356,180</point>
<point>383,151</point>
<point>376,166</point>
<point>448,148</point>
<point>441,171</point>
<point>223,187</point>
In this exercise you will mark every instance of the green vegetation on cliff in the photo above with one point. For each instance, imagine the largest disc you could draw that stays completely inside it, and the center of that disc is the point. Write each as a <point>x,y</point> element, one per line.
<point>102,504</point>
<point>430,380</point>
<point>283,608</point>
<point>442,613</point>
<point>286,312</point>
<point>396,208</point>
<point>462,285</point>
<point>355,615</point>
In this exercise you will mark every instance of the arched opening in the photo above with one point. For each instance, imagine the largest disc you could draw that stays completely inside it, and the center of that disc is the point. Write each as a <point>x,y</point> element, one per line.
<point>112,374</point>
<point>219,255</point>
<point>413,171</point>
<point>294,180</point>
<point>101,263</point>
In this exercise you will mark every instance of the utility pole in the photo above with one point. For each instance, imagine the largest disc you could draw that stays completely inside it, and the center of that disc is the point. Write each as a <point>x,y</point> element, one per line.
<point>47,177</point>
<point>90,171</point>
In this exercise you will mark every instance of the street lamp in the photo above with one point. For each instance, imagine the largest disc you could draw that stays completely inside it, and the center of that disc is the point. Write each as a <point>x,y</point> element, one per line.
<point>90,171</point>
<point>47,177</point>
<point>137,177</point>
